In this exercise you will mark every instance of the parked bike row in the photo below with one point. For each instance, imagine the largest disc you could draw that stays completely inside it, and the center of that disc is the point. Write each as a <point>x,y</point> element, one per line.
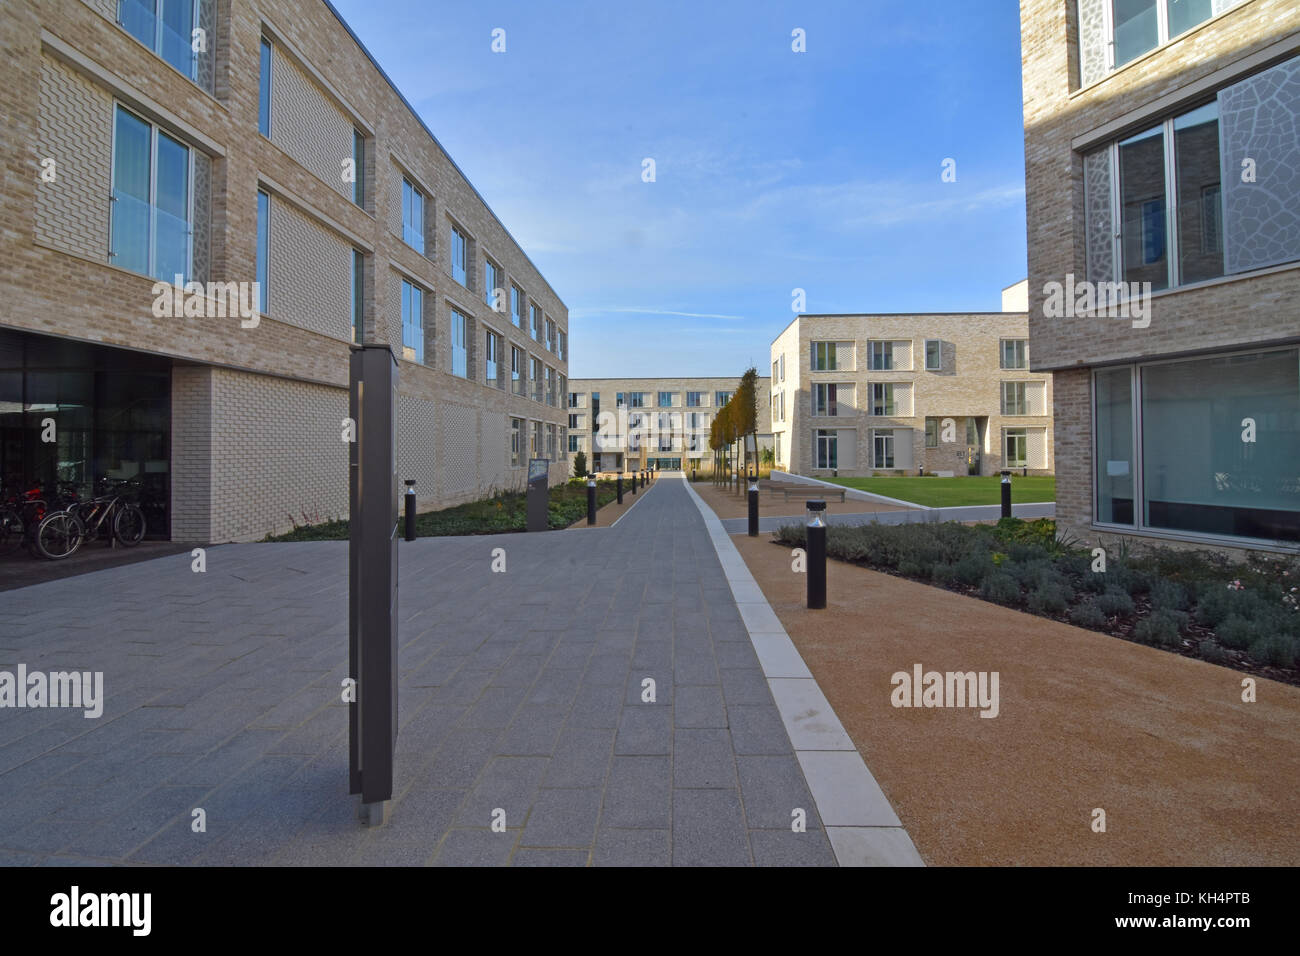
<point>55,526</point>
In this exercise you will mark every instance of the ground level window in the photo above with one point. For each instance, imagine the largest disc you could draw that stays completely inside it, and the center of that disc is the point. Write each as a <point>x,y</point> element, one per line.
<point>826,449</point>
<point>1017,447</point>
<point>883,447</point>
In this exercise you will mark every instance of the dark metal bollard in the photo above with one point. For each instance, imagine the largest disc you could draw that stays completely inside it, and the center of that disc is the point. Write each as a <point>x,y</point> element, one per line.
<point>753,509</point>
<point>618,487</point>
<point>591,500</point>
<point>1006,494</point>
<point>816,555</point>
<point>410,509</point>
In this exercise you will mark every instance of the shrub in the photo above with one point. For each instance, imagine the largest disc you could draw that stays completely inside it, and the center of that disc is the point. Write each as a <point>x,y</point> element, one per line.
<point>1087,614</point>
<point>1049,598</point>
<point>1277,650</point>
<point>1168,594</point>
<point>943,573</point>
<point>1114,600</point>
<point>973,568</point>
<point>1237,632</point>
<point>1000,588</point>
<point>1212,652</point>
<point>1159,629</point>
<point>914,567</point>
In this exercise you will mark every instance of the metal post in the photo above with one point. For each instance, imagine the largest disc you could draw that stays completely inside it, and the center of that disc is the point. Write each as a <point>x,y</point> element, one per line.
<point>634,481</point>
<point>410,509</point>
<point>753,509</point>
<point>1006,494</point>
<point>591,500</point>
<point>816,555</point>
<point>618,487</point>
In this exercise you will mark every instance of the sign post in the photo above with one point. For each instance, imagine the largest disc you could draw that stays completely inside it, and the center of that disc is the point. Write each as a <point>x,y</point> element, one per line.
<point>538,501</point>
<point>372,579</point>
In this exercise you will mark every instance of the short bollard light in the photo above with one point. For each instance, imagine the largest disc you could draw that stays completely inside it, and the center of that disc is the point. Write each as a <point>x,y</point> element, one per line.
<point>410,509</point>
<point>591,499</point>
<point>618,487</point>
<point>753,507</point>
<point>1006,494</point>
<point>816,546</point>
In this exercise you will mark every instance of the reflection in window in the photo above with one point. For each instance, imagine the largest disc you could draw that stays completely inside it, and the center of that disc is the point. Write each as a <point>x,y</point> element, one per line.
<point>1142,198</point>
<point>1200,224</point>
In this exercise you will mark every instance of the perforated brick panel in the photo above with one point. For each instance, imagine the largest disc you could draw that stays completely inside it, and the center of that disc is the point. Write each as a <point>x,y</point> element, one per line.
<point>76,131</point>
<point>417,444</point>
<point>459,470</point>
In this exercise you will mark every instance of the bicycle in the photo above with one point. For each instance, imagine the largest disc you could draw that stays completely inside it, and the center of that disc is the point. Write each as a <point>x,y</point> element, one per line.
<point>61,533</point>
<point>20,512</point>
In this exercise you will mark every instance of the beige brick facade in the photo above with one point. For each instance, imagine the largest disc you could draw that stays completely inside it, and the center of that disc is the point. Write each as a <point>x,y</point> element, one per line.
<point>961,396</point>
<point>1077,108</point>
<point>255,427</point>
<point>624,445</point>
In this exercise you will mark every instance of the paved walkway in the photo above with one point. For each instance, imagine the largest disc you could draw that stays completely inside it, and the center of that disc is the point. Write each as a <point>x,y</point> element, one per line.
<point>519,692</point>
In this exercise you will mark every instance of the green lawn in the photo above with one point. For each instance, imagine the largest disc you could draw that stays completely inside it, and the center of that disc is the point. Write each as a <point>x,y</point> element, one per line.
<point>949,492</point>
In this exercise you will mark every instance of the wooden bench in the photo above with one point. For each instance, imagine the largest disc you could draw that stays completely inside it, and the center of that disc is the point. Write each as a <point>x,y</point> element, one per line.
<point>801,491</point>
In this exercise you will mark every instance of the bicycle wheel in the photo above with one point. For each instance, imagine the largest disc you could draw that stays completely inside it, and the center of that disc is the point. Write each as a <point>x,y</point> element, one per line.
<point>59,535</point>
<point>128,525</point>
<point>11,529</point>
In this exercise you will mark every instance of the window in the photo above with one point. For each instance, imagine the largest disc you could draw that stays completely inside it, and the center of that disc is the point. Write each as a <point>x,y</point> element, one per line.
<point>535,316</point>
<point>516,306</point>
<point>1137,29</point>
<point>575,421</point>
<point>666,399</point>
<point>1199,199</point>
<point>263,249</point>
<point>166,27</point>
<point>1015,400</point>
<point>562,384</point>
<point>151,200</point>
<point>832,356</point>
<point>575,400</point>
<point>459,256</point>
<point>412,216</point>
<point>564,345</point>
<point>883,450</point>
<point>359,167</point>
<point>882,356</point>
<point>932,433</point>
<point>826,449</point>
<point>535,374</point>
<point>358,295</point>
<point>518,383</point>
<point>781,361</point>
<point>1016,444</point>
<point>550,386</point>
<point>774,371</point>
<point>516,441</point>
<point>1013,353</point>
<point>459,344</point>
<point>1120,31</point>
<point>491,282</point>
<point>550,442</point>
<point>694,399</point>
<point>721,398</point>
<point>972,432</point>
<point>933,355</point>
<point>882,399</point>
<point>536,445</point>
<point>619,400</point>
<point>595,410</point>
<point>824,399</point>
<point>492,358</point>
<point>550,336</point>
<point>264,91</point>
<point>638,399</point>
<point>575,443</point>
<point>412,322</point>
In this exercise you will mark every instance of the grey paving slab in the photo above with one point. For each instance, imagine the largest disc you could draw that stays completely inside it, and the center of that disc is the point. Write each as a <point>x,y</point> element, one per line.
<point>519,691</point>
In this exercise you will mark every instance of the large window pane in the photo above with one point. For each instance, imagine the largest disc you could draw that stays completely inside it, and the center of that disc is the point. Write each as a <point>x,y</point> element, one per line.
<point>1142,196</point>
<point>131,174</point>
<point>1200,201</point>
<point>172,217</point>
<point>177,35</point>
<point>139,20</point>
<point>1114,451</point>
<point>263,248</point>
<point>1185,14</point>
<point>1136,29</point>
<point>1199,471</point>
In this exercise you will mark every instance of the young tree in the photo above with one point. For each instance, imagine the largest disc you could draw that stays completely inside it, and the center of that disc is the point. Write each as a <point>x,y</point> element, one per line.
<point>746,399</point>
<point>580,465</point>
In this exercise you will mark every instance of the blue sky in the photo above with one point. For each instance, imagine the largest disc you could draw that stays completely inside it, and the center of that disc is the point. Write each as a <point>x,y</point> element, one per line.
<point>775,170</point>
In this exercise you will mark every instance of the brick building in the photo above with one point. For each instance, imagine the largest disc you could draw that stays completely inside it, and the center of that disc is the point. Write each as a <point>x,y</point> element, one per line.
<point>632,423</point>
<point>945,393</point>
<point>1162,144</point>
<point>239,142</point>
